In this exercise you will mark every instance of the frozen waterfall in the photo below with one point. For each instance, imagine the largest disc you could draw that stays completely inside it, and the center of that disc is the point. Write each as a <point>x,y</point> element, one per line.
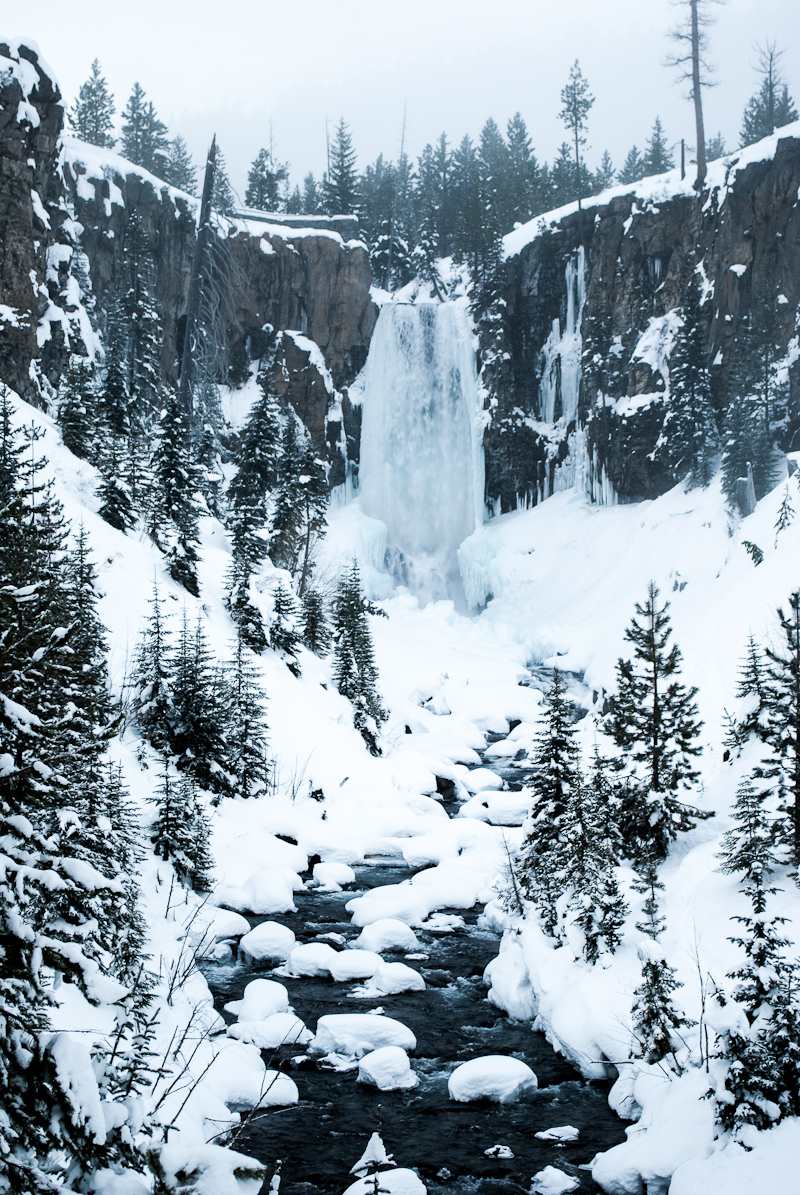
<point>421,469</point>
<point>561,374</point>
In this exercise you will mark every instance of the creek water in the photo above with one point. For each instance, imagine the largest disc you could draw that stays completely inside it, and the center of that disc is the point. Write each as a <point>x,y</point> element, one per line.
<point>320,1138</point>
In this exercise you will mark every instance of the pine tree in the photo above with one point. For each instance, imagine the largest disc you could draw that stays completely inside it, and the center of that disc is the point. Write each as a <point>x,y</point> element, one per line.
<point>223,199</point>
<point>179,169</point>
<point>689,427</point>
<point>180,832</point>
<point>632,168</point>
<point>76,414</point>
<point>756,372</point>
<point>340,186</point>
<point>771,107</point>
<point>115,395</point>
<point>173,519</point>
<point>198,713</point>
<point>654,720</point>
<point>246,734</point>
<point>143,323</point>
<point>151,679</point>
<point>91,115</point>
<point>266,183</point>
<point>316,631</point>
<point>355,673</point>
<point>782,715</point>
<point>656,1020</point>
<point>555,774</point>
<point>524,197</point>
<point>605,174</point>
<point>312,500</point>
<point>716,148</point>
<point>258,453</point>
<point>747,441</point>
<point>785,514</point>
<point>284,636</point>
<point>144,136</point>
<point>751,693</point>
<point>287,516</point>
<point>657,156</point>
<point>312,201</point>
<point>248,552</point>
<point>576,102</point>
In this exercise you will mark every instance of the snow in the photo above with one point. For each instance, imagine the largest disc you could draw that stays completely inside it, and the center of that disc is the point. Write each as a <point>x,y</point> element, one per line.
<point>387,933</point>
<point>269,940</point>
<point>494,1077</point>
<point>267,891</point>
<point>333,876</point>
<point>565,1132</point>
<point>281,1028</point>
<point>552,1181</point>
<point>261,998</point>
<point>397,902</point>
<point>357,1034</point>
<point>214,1171</point>
<point>389,979</point>
<point>388,1069</point>
<point>313,958</point>
<point>395,1182</point>
<point>480,779</point>
<point>354,964</point>
<point>770,1166</point>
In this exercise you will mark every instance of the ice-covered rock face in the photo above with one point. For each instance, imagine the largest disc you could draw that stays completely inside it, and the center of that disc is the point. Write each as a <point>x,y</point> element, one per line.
<point>421,467</point>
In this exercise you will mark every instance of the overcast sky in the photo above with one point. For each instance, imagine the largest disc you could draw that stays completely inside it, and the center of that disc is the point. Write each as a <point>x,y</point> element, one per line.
<point>239,67</point>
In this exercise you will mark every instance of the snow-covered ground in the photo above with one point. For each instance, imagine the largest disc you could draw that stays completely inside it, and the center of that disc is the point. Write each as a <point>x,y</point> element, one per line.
<point>559,584</point>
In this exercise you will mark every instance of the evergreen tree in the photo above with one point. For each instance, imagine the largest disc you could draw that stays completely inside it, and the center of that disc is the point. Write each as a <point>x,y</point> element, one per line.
<point>91,115</point>
<point>785,514</point>
<point>746,441</point>
<point>143,323</point>
<point>555,775</point>
<point>751,692</point>
<point>355,673</point>
<point>654,720</point>
<point>312,500</point>
<point>180,832</point>
<point>223,199</point>
<point>173,520</point>
<point>144,136</point>
<point>258,453</point>
<point>246,735</point>
<point>563,185</point>
<point>605,174</point>
<point>115,394</point>
<point>284,636</point>
<point>248,551</point>
<point>771,107</point>
<point>287,517</point>
<point>576,102</point>
<point>340,187</point>
<point>632,168</point>
<point>689,428</point>
<point>657,158</point>
<point>76,414</point>
<point>312,200</point>
<point>524,190</point>
<point>782,715</point>
<point>716,148</point>
<point>266,183</point>
<point>294,202</point>
<point>656,1020</point>
<point>198,712</point>
<point>179,169</point>
<point>151,679</point>
<point>316,631</point>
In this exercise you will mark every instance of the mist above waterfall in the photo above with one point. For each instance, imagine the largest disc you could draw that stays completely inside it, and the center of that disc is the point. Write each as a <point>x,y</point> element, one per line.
<point>421,467</point>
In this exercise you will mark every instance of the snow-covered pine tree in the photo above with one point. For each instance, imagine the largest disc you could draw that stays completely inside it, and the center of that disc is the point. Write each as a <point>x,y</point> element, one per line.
<point>198,715</point>
<point>287,516</point>
<point>340,185</point>
<point>284,636</point>
<point>756,368</point>
<point>555,773</point>
<point>654,720</point>
<point>715,148</point>
<point>246,734</point>
<point>312,499</point>
<point>208,462</point>
<point>785,514</point>
<point>76,407</point>
<point>91,115</point>
<point>151,679</point>
<point>355,673</point>
<point>632,168</point>
<point>143,323</point>
<point>257,457</point>
<point>656,1019</point>
<point>116,506</point>
<point>180,831</point>
<point>179,169</point>
<point>114,399</point>
<point>223,199</point>
<point>173,516</point>
<point>782,717</point>
<point>751,694</point>
<point>771,107</point>
<point>657,155</point>
<point>266,183</point>
<point>689,427</point>
<point>144,136</point>
<point>316,629</point>
<point>746,441</point>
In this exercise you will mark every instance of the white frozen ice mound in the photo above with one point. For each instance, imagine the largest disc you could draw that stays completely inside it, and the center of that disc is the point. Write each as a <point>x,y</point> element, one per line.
<point>354,964</point>
<point>390,979</point>
<point>388,1069</point>
<point>260,999</point>
<point>270,891</point>
<point>333,875</point>
<point>395,1182</point>
<point>564,1132</point>
<point>359,1033</point>
<point>388,933</point>
<point>551,1181</point>
<point>282,1028</point>
<point>270,940</point>
<point>494,1077</point>
<point>312,958</point>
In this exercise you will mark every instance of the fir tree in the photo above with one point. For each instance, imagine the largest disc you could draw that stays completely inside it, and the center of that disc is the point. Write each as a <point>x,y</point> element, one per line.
<point>654,720</point>
<point>785,514</point>
<point>524,194</point>
<point>657,156</point>
<point>287,517</point>
<point>771,107</point>
<point>143,323</point>
<point>115,394</point>
<point>576,102</point>
<point>555,775</point>
<point>198,712</point>
<point>340,184</point>
<point>756,370</point>
<point>751,692</point>
<point>355,673</point>
<point>173,519</point>
<point>716,148</point>
<point>248,552</point>
<point>180,832</point>
<point>605,174</point>
<point>689,426</point>
<point>179,169</point>
<point>284,636</point>
<point>656,1020</point>
<point>266,183</point>
<point>746,442</point>
<point>316,631</point>
<point>312,201</point>
<point>144,136</point>
<point>151,679</point>
<point>90,117</point>
<point>76,414</point>
<point>258,453</point>
<point>312,501</point>
<point>632,168</point>
<point>782,715</point>
<point>246,735</point>
<point>223,199</point>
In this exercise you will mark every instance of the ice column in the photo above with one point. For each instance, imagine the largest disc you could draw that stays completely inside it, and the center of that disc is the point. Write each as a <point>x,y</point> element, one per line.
<point>421,468</point>
<point>561,377</point>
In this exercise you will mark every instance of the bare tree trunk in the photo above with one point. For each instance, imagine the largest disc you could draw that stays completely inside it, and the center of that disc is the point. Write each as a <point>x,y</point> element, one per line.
<point>698,99</point>
<point>196,283</point>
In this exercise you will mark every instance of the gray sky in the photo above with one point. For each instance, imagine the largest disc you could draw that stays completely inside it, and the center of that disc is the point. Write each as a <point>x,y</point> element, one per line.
<point>232,68</point>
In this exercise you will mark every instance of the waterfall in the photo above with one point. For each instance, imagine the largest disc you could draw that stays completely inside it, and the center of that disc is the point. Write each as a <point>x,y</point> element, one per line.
<point>561,376</point>
<point>421,470</point>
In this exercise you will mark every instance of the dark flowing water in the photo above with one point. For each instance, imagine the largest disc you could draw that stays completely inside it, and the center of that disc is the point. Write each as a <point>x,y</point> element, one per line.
<point>321,1138</point>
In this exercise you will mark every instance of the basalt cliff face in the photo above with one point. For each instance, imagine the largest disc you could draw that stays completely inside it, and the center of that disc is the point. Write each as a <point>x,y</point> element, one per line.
<point>572,363</point>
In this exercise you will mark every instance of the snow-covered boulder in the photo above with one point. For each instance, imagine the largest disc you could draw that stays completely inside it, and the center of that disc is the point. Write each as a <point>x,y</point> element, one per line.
<point>282,1028</point>
<point>498,808</point>
<point>333,876</point>
<point>312,958</point>
<point>354,964</point>
<point>215,1170</point>
<point>480,779</point>
<point>446,887</point>
<point>389,979</point>
<point>563,1133</point>
<point>394,1182</point>
<point>269,891</point>
<point>386,934</point>
<point>400,902</point>
<point>388,1069</point>
<point>552,1181</point>
<point>261,998</point>
<point>494,1077</point>
<point>208,925</point>
<point>359,1033</point>
<point>270,940</point>
<point>509,980</point>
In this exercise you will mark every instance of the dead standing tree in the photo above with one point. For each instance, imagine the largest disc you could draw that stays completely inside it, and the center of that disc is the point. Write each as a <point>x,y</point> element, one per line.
<point>692,39</point>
